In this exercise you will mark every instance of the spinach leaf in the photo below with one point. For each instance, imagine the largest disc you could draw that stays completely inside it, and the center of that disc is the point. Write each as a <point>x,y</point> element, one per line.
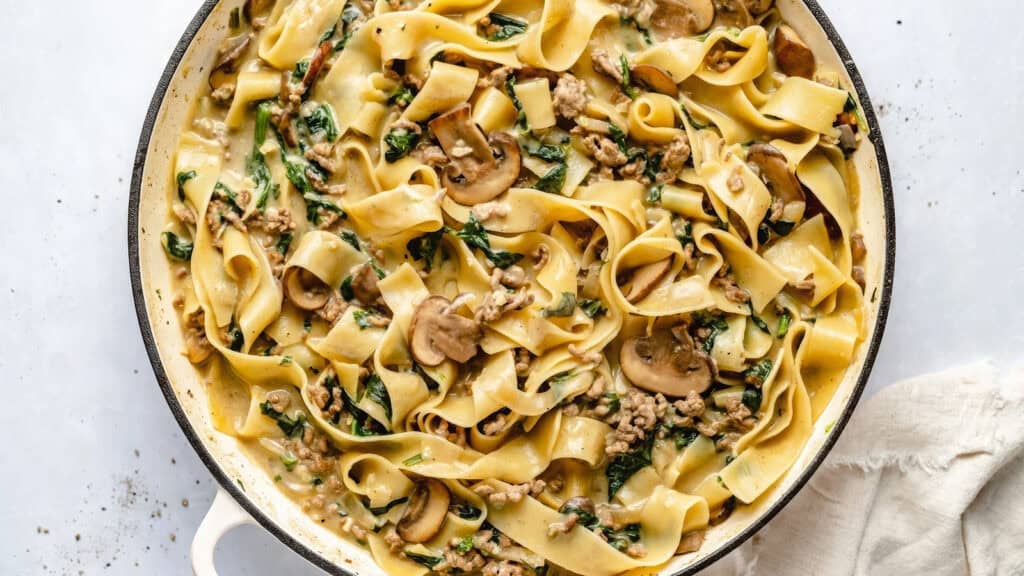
<point>715,323</point>
<point>283,243</point>
<point>593,308</point>
<point>402,96</point>
<point>378,392</point>
<point>362,318</point>
<point>546,152</point>
<point>510,88</point>
<point>425,248</point>
<point>321,120</point>
<point>315,201</point>
<point>301,68</point>
<point>652,168</point>
<point>584,518</point>
<point>623,466</point>
<point>182,178</point>
<point>289,460</point>
<point>752,399</point>
<point>627,85</point>
<point>654,194</point>
<point>761,324</point>
<point>466,511</point>
<point>346,288</point>
<point>291,426</point>
<point>758,373</point>
<point>387,507</point>
<point>565,307</point>
<point>621,540</point>
<point>683,436</point>
<point>177,248</point>
<point>255,163</point>
<point>400,142</point>
<point>553,181</point>
<point>429,561</point>
<point>361,421</point>
<point>619,137</point>
<point>236,336</point>
<point>614,404</point>
<point>474,235</point>
<point>696,125</point>
<point>685,234</point>
<point>350,237</point>
<point>507,27</point>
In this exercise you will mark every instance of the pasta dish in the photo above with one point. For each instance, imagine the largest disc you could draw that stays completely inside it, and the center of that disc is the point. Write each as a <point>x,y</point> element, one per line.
<point>518,288</point>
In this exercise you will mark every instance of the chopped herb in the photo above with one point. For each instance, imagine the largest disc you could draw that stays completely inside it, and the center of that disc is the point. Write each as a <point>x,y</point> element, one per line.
<point>286,361</point>
<point>685,235</point>
<point>619,137</point>
<point>784,319</point>
<point>643,31</point>
<point>413,460</point>
<point>614,404</point>
<point>510,87</point>
<point>346,288</point>
<point>546,152</point>
<point>653,167</point>
<point>277,478</point>
<point>322,120</point>
<point>507,27</point>
<point>696,125</point>
<point>830,426</point>
<point>593,308</point>
<point>362,318</point>
<point>400,142</point>
<point>729,459</point>
<point>623,466</point>
<point>387,507</point>
<point>564,308</point>
<point>467,511</point>
<point>874,295</point>
<point>474,235</point>
<point>402,96</point>
<point>429,561</point>
<point>758,373</point>
<point>761,324</point>
<point>289,460</point>
<point>182,178</point>
<point>553,181</point>
<point>683,436</point>
<point>627,86</point>
<point>291,426</point>
<point>284,243</point>
<point>715,323</point>
<point>315,201</point>
<point>176,247</point>
<point>360,419</point>
<point>654,194</point>
<point>351,238</point>
<point>378,392</point>
<point>381,274</point>
<point>425,248</point>
<point>465,545</point>
<point>752,399</point>
<point>300,70</point>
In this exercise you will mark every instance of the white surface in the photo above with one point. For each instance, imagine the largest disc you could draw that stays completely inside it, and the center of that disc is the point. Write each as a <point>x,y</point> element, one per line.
<point>96,472</point>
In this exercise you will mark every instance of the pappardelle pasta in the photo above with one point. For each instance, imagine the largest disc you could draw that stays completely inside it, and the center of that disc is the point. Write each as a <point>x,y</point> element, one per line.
<point>514,288</point>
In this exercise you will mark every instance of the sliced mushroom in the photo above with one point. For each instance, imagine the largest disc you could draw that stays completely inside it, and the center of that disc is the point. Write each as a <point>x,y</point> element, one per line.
<point>305,289</point>
<point>254,9</point>
<point>732,14</point>
<point>655,78</point>
<point>437,332</point>
<point>758,7</point>
<point>426,511</point>
<point>774,167</point>
<point>479,175</point>
<point>792,55</point>
<point>646,278</point>
<point>316,64</point>
<point>678,18</point>
<point>225,69</point>
<point>666,362</point>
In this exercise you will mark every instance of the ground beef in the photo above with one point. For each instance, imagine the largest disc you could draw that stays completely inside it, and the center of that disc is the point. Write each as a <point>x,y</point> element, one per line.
<point>184,214</point>
<point>638,415</point>
<point>718,58</point>
<point>638,10</point>
<point>496,78</point>
<point>511,277</point>
<point>323,155</point>
<point>804,287</point>
<point>674,159</point>
<point>604,150</point>
<point>859,276</point>
<point>570,96</point>
<point>272,221</point>
<point>857,247</point>
<point>489,210</point>
<point>732,290</point>
<point>691,406</point>
<point>364,284</point>
<point>279,400</point>
<point>690,542</point>
<point>735,182</point>
<point>778,205</point>
<point>502,568</point>
<point>604,64</point>
<point>500,301</point>
<point>197,345</point>
<point>540,256</point>
<point>523,361</point>
<point>218,212</point>
<point>393,540</point>
<point>333,309</point>
<point>514,493</point>
<point>224,93</point>
<point>430,155</point>
<point>407,125</point>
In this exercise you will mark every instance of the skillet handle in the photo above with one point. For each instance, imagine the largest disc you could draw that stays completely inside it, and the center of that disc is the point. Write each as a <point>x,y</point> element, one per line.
<point>224,515</point>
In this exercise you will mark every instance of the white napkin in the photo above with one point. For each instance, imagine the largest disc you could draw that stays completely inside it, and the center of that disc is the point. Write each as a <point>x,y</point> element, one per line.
<point>928,478</point>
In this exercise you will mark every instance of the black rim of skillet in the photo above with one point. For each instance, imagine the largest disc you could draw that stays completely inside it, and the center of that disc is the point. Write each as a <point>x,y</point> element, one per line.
<point>269,524</point>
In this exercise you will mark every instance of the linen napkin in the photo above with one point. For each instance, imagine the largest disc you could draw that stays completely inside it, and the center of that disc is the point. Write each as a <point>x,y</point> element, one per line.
<point>928,478</point>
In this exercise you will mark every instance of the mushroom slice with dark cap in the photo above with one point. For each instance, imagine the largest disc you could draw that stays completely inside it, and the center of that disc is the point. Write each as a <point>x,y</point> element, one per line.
<point>225,69</point>
<point>437,332</point>
<point>666,362</point>
<point>792,55</point>
<point>733,14</point>
<point>655,78</point>
<point>646,278</point>
<point>476,174</point>
<point>426,511</point>
<point>758,7</point>
<point>677,18</point>
<point>774,167</point>
<point>305,289</point>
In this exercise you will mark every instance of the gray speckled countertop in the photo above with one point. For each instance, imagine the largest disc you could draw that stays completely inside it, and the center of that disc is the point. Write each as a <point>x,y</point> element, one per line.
<point>97,477</point>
